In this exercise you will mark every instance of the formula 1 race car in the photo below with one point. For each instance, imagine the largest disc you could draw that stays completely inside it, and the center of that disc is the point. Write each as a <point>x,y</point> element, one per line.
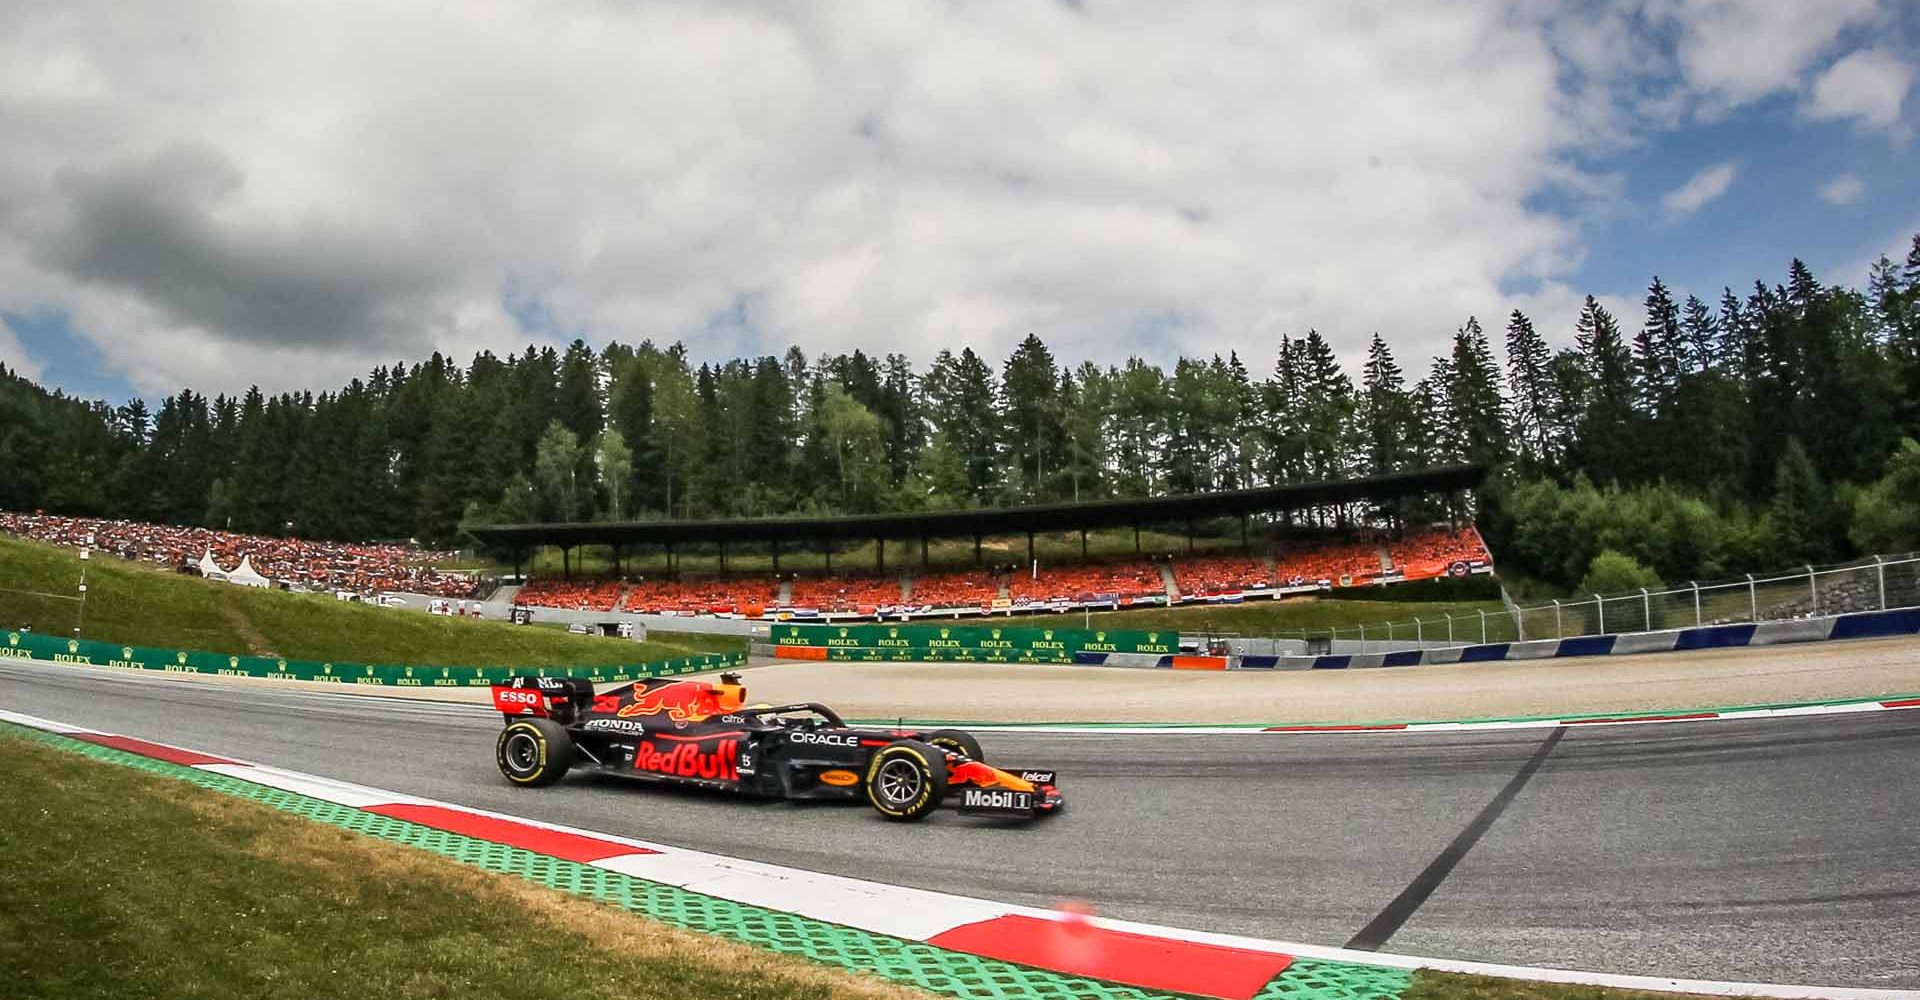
<point>693,732</point>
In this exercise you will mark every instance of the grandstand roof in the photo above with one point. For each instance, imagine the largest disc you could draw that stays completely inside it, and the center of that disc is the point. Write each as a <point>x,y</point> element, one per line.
<point>990,521</point>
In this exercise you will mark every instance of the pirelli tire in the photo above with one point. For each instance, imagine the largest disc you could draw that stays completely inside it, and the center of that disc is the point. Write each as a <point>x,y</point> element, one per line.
<point>959,742</point>
<point>906,780</point>
<point>534,753</point>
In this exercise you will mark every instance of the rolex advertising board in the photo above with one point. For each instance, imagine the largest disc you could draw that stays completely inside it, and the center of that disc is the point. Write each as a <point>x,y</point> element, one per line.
<point>969,643</point>
<point>103,654</point>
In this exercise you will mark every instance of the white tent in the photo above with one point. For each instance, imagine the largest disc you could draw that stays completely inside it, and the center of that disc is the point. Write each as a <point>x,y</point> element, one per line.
<point>246,576</point>
<point>210,569</point>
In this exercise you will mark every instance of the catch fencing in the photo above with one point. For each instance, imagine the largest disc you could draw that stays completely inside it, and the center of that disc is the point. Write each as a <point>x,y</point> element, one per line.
<point>1882,583</point>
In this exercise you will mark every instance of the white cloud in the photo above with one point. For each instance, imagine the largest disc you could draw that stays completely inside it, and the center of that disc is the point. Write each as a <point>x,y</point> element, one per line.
<point>1869,85</point>
<point>1704,186</point>
<point>1842,190</point>
<point>13,354</point>
<point>291,194</point>
<point>1741,50</point>
<point>228,191</point>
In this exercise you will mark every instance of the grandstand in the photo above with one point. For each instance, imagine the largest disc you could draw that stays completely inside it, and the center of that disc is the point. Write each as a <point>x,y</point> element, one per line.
<point>1296,562</point>
<point>1295,568</point>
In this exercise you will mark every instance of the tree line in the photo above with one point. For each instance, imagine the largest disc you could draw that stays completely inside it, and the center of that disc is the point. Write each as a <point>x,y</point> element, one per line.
<point>1765,427</point>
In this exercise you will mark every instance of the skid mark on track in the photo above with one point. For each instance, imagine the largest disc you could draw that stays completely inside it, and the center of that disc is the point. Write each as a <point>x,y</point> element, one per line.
<point>1396,913</point>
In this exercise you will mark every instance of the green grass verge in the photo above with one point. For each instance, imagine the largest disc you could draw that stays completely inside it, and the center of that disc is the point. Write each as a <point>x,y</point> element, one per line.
<point>123,884</point>
<point>136,604</point>
<point>1264,618</point>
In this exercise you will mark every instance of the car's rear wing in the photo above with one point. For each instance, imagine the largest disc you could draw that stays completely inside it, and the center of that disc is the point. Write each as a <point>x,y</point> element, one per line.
<point>561,699</point>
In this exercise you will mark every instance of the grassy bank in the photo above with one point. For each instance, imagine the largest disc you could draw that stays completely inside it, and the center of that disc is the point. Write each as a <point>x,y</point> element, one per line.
<point>146,605</point>
<point>123,884</point>
<point>1256,618</point>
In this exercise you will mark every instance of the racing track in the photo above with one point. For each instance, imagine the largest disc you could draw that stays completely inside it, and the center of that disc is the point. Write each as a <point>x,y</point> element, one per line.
<point>1782,850</point>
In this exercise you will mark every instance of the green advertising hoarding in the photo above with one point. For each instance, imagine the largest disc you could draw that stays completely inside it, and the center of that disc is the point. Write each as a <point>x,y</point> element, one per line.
<point>969,643</point>
<point>102,654</point>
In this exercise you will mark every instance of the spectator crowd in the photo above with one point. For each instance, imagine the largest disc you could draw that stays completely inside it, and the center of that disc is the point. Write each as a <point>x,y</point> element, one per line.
<point>362,568</point>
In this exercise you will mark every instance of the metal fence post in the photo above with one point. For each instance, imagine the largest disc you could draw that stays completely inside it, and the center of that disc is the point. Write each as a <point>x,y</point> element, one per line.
<point>1813,588</point>
<point>1696,601</point>
<point>1646,611</point>
<point>1880,569</point>
<point>1483,627</point>
<point>1449,628</point>
<point>1600,603</point>
<point>1389,632</point>
<point>1420,633</point>
<point>1753,600</point>
<point>1558,631</point>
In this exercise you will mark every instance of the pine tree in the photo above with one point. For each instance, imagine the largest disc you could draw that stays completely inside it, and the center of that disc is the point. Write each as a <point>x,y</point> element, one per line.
<point>1029,380</point>
<point>1285,426</point>
<point>1530,375</point>
<point>1476,420</point>
<point>1799,514</point>
<point>1327,409</point>
<point>1606,434</point>
<point>1657,354</point>
<point>1700,335</point>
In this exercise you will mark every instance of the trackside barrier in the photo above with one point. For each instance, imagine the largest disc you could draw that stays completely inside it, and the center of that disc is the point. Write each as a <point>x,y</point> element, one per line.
<point>1860,625</point>
<point>104,654</point>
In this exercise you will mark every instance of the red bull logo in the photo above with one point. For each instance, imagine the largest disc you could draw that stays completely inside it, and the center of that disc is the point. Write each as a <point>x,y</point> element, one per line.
<point>681,701</point>
<point>688,760</point>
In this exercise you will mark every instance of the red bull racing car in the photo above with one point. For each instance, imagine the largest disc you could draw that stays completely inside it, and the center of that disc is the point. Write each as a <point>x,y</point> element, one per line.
<point>694,732</point>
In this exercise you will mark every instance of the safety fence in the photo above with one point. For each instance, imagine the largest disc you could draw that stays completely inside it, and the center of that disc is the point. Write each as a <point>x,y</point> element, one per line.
<point>1880,584</point>
<point>105,654</point>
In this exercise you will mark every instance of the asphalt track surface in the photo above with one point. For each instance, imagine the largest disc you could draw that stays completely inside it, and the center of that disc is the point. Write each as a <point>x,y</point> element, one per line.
<point>1782,850</point>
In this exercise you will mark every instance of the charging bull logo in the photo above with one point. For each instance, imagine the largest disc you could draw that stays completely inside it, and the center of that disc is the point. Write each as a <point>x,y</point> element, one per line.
<point>678,701</point>
<point>688,760</point>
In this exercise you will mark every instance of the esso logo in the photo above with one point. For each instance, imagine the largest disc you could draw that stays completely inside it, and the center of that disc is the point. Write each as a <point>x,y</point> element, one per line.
<point>520,697</point>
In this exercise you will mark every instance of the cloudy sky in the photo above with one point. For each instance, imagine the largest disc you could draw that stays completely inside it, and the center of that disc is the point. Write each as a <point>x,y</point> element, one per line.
<point>222,193</point>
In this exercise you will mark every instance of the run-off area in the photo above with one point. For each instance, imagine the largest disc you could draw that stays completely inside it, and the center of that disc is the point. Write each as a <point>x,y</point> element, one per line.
<point>1784,850</point>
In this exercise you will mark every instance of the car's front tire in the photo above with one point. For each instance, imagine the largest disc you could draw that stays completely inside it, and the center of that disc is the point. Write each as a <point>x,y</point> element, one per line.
<point>959,742</point>
<point>534,752</point>
<point>906,780</point>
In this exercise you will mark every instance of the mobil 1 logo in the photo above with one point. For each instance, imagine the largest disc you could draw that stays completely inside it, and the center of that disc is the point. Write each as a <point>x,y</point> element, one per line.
<point>996,802</point>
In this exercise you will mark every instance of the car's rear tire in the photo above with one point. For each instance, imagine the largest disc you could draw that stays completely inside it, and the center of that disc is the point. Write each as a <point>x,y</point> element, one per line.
<point>957,741</point>
<point>534,752</point>
<point>906,780</point>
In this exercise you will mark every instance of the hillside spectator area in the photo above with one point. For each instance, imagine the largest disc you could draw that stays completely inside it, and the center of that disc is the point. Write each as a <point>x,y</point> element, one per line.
<point>361,568</point>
